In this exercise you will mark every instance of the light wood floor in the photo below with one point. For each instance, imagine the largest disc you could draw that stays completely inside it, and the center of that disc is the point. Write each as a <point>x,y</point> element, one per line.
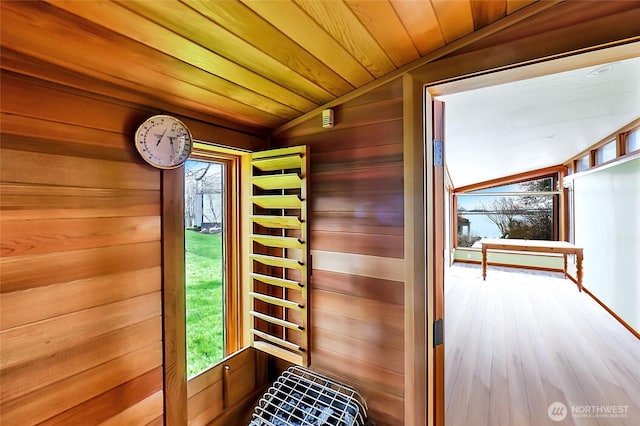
<point>522,340</point>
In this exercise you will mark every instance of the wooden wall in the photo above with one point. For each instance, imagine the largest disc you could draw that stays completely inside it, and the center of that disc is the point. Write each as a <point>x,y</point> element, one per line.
<point>81,268</point>
<point>357,247</point>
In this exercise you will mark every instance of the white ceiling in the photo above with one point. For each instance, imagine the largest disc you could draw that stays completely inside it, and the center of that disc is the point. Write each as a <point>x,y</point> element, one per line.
<point>525,125</point>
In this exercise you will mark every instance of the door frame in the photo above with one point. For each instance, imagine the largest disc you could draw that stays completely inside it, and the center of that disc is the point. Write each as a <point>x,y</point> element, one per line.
<point>449,76</point>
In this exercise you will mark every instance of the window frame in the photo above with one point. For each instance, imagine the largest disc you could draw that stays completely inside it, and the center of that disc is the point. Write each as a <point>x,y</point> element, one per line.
<point>173,276</point>
<point>556,173</point>
<point>231,245</point>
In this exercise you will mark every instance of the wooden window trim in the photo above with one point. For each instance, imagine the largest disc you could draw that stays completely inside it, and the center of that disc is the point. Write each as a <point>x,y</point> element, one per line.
<point>552,171</point>
<point>231,243</point>
<point>619,135</point>
<point>555,172</point>
<point>173,278</point>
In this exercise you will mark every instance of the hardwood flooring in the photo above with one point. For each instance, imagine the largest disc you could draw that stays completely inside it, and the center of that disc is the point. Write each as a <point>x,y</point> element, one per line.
<point>523,340</point>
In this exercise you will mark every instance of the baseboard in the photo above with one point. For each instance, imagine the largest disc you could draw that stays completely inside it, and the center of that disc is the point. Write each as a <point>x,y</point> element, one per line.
<point>509,265</point>
<point>620,320</point>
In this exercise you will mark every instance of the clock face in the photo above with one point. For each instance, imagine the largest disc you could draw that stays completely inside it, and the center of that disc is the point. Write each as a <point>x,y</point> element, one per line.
<point>164,141</point>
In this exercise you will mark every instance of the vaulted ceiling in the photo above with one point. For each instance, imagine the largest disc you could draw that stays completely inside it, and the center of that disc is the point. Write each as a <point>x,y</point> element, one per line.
<point>253,62</point>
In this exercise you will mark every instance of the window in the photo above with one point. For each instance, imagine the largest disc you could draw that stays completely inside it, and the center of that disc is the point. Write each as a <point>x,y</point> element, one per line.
<point>632,141</point>
<point>522,210</point>
<point>211,245</point>
<point>583,163</point>
<point>606,152</point>
<point>205,281</point>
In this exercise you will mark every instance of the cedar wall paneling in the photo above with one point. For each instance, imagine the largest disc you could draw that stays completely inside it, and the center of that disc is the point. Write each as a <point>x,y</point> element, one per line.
<point>80,298</point>
<point>356,222</point>
<point>80,268</point>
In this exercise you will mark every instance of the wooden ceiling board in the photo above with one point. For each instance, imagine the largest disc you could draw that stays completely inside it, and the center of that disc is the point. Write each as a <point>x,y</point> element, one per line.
<point>339,21</point>
<point>121,60</point>
<point>257,64</point>
<point>455,18</point>
<point>129,24</point>
<point>383,23</point>
<point>486,11</point>
<point>513,5</point>
<point>419,18</point>
<point>296,24</point>
<point>204,32</point>
<point>260,36</point>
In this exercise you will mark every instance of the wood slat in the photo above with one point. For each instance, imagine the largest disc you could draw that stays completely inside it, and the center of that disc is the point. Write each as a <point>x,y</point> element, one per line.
<point>48,131</point>
<point>140,413</point>
<point>236,361</point>
<point>485,13</point>
<point>283,222</point>
<point>104,67</point>
<point>206,404</point>
<point>60,396</point>
<point>25,272</point>
<point>386,382</point>
<point>46,338</point>
<point>33,202</point>
<point>366,244</point>
<point>339,21</point>
<point>21,238</point>
<point>360,350</point>
<point>65,298</point>
<point>277,261</point>
<point>277,241</point>
<point>356,307</point>
<point>293,358</point>
<point>385,268</point>
<point>420,20</point>
<point>359,286</point>
<point>283,181</point>
<point>277,301</point>
<point>455,18</point>
<point>344,324</point>
<point>277,201</point>
<point>278,152</point>
<point>274,340</point>
<point>277,321</point>
<point>244,136</point>
<point>304,73</point>
<point>392,35</point>
<point>110,403</point>
<point>52,105</point>
<point>291,20</point>
<point>280,282</point>
<point>270,164</point>
<point>28,377</point>
<point>122,21</point>
<point>26,167</point>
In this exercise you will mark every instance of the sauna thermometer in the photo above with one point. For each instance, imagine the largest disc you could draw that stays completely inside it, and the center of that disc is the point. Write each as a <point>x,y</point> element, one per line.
<point>164,141</point>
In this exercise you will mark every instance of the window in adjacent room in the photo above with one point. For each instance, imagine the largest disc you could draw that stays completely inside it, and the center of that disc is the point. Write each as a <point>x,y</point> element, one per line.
<point>521,210</point>
<point>606,152</point>
<point>583,163</point>
<point>632,141</point>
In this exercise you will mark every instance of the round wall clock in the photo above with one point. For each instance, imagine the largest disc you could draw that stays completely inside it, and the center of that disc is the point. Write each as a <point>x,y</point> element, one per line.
<point>164,141</point>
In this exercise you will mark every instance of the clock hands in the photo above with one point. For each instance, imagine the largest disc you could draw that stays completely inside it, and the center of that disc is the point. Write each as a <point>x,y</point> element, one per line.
<point>161,136</point>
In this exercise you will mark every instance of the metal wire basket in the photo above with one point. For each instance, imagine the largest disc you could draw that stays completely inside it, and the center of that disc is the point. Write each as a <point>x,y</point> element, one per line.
<point>300,397</point>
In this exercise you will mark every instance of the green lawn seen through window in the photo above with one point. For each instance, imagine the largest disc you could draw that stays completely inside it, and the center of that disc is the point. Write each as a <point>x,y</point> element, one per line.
<point>204,300</point>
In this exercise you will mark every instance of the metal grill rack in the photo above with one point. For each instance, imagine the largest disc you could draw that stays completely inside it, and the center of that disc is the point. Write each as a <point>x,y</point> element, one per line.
<point>300,397</point>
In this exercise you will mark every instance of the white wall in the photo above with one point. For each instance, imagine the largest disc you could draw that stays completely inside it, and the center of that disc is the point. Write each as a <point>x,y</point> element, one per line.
<point>607,225</point>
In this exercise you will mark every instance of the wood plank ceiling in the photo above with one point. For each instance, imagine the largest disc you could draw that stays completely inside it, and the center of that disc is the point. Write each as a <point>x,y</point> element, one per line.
<point>255,63</point>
